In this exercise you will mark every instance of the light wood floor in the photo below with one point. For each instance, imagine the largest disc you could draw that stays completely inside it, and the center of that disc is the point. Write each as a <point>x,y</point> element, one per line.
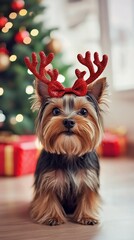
<point>117,214</point>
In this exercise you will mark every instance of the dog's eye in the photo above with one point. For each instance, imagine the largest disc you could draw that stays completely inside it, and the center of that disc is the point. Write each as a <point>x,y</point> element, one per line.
<point>56,111</point>
<point>83,112</point>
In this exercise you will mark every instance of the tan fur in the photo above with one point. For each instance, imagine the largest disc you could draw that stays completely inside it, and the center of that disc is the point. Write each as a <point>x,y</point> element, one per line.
<point>50,129</point>
<point>46,208</point>
<point>54,181</point>
<point>87,208</point>
<point>86,178</point>
<point>59,181</point>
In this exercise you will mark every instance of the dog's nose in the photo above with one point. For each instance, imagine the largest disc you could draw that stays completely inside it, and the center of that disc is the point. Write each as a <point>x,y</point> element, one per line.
<point>69,123</point>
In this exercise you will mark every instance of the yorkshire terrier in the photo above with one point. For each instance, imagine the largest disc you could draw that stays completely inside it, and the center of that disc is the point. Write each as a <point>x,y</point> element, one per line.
<point>70,127</point>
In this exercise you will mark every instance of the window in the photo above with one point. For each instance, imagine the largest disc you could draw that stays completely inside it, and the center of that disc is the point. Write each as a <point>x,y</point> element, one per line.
<point>121,26</point>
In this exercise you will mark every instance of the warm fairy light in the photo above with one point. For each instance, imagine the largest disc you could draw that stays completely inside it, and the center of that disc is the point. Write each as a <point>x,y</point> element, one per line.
<point>13,120</point>
<point>19,118</point>
<point>4,30</point>
<point>34,32</point>
<point>29,89</point>
<point>27,40</point>
<point>8,25</point>
<point>61,78</point>
<point>23,12</point>
<point>1,91</point>
<point>29,72</point>
<point>13,58</point>
<point>2,117</point>
<point>12,15</point>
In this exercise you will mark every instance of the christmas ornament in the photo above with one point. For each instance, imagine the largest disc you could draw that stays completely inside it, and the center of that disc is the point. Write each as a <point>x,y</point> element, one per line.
<point>21,35</point>
<point>17,5</point>
<point>54,46</point>
<point>3,21</point>
<point>3,49</point>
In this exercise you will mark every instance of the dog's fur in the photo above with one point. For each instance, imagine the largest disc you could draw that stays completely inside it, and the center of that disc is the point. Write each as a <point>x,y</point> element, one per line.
<point>67,172</point>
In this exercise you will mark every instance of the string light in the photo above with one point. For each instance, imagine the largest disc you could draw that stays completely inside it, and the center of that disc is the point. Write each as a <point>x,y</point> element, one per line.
<point>27,40</point>
<point>13,58</point>
<point>1,91</point>
<point>13,120</point>
<point>29,72</point>
<point>9,25</point>
<point>34,32</point>
<point>61,78</point>
<point>2,117</point>
<point>4,30</point>
<point>29,89</point>
<point>23,12</point>
<point>12,15</point>
<point>19,118</point>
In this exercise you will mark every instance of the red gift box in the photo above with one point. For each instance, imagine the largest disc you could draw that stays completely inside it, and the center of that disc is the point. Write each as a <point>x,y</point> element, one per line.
<point>113,144</point>
<point>18,155</point>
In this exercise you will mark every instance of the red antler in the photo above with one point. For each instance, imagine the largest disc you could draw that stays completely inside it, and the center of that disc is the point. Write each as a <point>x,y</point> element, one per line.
<point>44,61</point>
<point>88,63</point>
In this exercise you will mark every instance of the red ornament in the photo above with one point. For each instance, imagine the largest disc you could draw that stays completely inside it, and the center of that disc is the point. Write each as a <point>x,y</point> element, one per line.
<point>17,5</point>
<point>21,35</point>
<point>3,21</point>
<point>4,50</point>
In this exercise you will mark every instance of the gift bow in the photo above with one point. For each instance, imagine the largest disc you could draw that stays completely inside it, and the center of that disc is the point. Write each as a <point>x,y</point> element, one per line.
<point>56,89</point>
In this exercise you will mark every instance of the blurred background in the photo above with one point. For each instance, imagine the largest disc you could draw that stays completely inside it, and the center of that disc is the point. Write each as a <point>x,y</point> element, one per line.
<point>66,28</point>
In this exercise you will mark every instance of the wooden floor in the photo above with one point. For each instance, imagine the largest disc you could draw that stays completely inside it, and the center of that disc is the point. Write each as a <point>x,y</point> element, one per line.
<point>117,214</point>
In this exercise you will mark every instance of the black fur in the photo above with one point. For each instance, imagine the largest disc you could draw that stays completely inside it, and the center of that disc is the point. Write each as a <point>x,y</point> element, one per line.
<point>52,161</point>
<point>94,102</point>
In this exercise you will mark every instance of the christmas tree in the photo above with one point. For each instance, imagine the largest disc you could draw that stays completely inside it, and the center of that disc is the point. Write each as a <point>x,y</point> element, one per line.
<point>22,33</point>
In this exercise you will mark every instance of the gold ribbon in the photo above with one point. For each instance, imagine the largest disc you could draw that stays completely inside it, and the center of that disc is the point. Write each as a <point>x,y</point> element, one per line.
<point>9,160</point>
<point>7,138</point>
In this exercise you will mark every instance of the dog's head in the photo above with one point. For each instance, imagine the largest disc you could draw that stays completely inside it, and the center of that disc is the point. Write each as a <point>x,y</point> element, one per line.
<point>70,124</point>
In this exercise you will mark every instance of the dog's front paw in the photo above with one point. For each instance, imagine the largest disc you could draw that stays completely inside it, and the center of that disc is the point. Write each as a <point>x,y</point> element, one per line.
<point>87,221</point>
<point>53,221</point>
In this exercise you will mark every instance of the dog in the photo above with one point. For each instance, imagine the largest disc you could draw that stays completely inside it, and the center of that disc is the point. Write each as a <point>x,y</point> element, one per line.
<point>69,126</point>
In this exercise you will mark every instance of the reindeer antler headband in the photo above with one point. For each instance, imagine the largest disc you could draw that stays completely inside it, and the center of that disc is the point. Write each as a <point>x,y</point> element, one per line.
<point>55,88</point>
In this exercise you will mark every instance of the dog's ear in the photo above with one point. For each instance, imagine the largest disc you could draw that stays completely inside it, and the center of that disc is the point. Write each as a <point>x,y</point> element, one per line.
<point>98,89</point>
<point>41,90</point>
<point>40,96</point>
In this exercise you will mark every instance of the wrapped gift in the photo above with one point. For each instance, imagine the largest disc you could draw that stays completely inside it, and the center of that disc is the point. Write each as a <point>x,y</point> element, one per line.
<point>114,143</point>
<point>18,154</point>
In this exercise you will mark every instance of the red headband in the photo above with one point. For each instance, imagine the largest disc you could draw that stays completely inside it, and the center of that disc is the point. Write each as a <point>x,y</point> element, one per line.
<point>55,88</point>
